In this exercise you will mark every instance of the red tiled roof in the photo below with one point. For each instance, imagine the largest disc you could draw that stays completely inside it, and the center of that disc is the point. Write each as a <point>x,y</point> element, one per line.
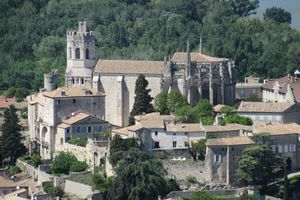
<point>6,102</point>
<point>284,82</point>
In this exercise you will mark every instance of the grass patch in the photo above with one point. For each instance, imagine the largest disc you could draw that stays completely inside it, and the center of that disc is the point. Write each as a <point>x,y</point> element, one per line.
<point>224,196</point>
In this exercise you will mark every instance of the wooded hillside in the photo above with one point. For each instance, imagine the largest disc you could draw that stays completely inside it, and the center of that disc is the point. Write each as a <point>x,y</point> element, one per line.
<point>33,40</point>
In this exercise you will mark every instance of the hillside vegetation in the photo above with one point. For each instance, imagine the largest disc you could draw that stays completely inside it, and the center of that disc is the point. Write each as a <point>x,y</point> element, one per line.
<point>33,35</point>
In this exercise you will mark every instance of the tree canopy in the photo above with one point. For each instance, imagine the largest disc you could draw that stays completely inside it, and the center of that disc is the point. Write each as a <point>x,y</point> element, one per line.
<point>142,100</point>
<point>32,35</point>
<point>277,15</point>
<point>258,165</point>
<point>11,140</point>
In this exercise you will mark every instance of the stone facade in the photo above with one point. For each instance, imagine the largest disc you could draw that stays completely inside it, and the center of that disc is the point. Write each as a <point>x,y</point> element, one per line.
<point>250,87</point>
<point>222,154</point>
<point>195,75</point>
<point>268,112</point>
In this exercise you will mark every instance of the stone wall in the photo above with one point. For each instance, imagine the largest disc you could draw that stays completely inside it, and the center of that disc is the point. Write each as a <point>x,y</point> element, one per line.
<point>36,173</point>
<point>80,190</point>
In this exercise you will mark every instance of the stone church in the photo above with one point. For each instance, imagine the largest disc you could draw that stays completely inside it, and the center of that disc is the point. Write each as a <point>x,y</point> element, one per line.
<point>195,75</point>
<point>106,89</point>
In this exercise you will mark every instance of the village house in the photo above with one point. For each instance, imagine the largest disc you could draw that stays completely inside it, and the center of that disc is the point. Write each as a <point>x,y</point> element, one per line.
<point>268,112</point>
<point>157,132</point>
<point>284,89</point>
<point>250,87</point>
<point>83,126</point>
<point>222,154</point>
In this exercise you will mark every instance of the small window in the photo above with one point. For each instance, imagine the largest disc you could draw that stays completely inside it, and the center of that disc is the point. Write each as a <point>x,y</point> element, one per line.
<point>99,128</point>
<point>242,93</point>
<point>73,81</point>
<point>274,149</point>
<point>232,148</point>
<point>87,54</point>
<point>78,129</point>
<point>68,130</point>
<point>253,90</point>
<point>156,145</point>
<point>174,144</point>
<point>77,53</point>
<point>89,129</point>
<point>186,144</point>
<point>185,133</point>
<point>58,102</point>
<point>174,133</point>
<point>74,100</point>
<point>286,148</point>
<point>70,52</point>
<point>217,158</point>
<point>82,81</point>
<point>156,133</point>
<point>280,148</point>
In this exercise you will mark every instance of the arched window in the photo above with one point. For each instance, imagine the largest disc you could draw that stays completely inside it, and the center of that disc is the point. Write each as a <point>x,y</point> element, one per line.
<point>70,52</point>
<point>87,54</point>
<point>77,53</point>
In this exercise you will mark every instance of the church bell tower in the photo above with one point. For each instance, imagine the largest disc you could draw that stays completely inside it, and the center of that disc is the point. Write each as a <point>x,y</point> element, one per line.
<point>80,57</point>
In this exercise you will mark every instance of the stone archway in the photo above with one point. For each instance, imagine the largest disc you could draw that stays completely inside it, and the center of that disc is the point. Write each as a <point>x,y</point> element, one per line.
<point>96,159</point>
<point>44,132</point>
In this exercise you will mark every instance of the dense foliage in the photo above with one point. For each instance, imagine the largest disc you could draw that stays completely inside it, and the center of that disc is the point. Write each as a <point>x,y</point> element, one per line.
<point>66,162</point>
<point>11,140</point>
<point>49,188</point>
<point>33,41</point>
<point>142,100</point>
<point>258,165</point>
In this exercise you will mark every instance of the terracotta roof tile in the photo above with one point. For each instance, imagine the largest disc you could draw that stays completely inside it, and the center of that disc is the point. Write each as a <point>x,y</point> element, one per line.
<point>180,57</point>
<point>124,131</point>
<point>230,141</point>
<point>6,183</point>
<point>76,118</point>
<point>196,127</point>
<point>263,107</point>
<point>154,116</point>
<point>129,66</point>
<point>278,129</point>
<point>6,102</point>
<point>66,92</point>
<point>284,82</point>
<point>227,127</point>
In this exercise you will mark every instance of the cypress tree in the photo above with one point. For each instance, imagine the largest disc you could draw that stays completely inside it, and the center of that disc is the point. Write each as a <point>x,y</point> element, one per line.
<point>142,100</point>
<point>11,139</point>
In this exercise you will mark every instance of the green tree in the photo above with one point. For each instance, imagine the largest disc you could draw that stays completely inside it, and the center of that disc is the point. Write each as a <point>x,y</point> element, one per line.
<point>204,108</point>
<point>244,8</point>
<point>236,119</point>
<point>201,195</point>
<point>36,160</point>
<point>277,15</point>
<point>138,177</point>
<point>49,188</point>
<point>200,147</point>
<point>66,162</point>
<point>161,103</point>
<point>142,100</point>
<point>176,101</point>
<point>120,144</point>
<point>258,165</point>
<point>11,145</point>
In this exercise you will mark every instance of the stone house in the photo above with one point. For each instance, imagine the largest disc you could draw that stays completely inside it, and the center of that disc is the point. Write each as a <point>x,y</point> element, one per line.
<point>284,89</point>
<point>221,158</point>
<point>83,126</point>
<point>251,86</point>
<point>161,133</point>
<point>267,112</point>
<point>222,153</point>
<point>285,141</point>
<point>49,108</point>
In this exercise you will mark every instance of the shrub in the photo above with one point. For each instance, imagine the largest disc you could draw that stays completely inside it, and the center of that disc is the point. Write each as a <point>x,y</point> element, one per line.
<point>53,191</point>
<point>78,166</point>
<point>14,170</point>
<point>201,195</point>
<point>36,160</point>
<point>79,141</point>
<point>192,179</point>
<point>62,163</point>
